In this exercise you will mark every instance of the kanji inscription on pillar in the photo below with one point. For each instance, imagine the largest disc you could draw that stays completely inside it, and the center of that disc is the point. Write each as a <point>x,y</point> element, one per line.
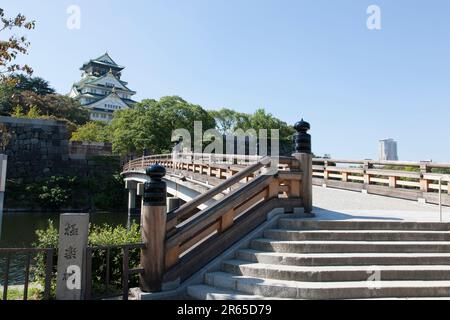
<point>73,238</point>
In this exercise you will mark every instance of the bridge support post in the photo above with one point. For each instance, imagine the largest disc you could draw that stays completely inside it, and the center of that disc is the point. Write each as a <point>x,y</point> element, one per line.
<point>132,191</point>
<point>302,152</point>
<point>153,229</point>
<point>131,201</point>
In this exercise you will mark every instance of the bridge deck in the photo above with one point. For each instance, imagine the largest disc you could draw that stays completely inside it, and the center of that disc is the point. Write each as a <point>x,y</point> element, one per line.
<point>334,204</point>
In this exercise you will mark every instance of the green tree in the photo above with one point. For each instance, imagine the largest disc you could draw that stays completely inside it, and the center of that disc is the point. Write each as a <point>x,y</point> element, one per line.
<point>6,94</point>
<point>14,45</point>
<point>34,84</point>
<point>263,120</point>
<point>150,124</point>
<point>50,105</point>
<point>94,131</point>
<point>227,120</point>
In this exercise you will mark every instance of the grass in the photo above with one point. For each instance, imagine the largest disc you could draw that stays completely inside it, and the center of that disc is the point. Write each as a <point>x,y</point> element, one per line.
<point>16,293</point>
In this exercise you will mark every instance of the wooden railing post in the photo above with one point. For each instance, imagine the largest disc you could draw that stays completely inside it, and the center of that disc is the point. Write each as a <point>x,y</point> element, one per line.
<point>302,152</point>
<point>153,229</point>
<point>344,176</point>
<point>392,182</point>
<point>424,185</point>
<point>366,166</point>
<point>325,171</point>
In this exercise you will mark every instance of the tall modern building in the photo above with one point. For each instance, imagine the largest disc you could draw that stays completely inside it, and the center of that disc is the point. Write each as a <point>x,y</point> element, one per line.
<point>101,90</point>
<point>388,150</point>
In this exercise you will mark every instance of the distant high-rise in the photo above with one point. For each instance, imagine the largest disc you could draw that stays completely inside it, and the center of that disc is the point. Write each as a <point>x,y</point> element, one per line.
<point>388,150</point>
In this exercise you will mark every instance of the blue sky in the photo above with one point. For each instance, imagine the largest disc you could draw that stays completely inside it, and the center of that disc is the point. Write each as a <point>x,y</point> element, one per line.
<point>314,59</point>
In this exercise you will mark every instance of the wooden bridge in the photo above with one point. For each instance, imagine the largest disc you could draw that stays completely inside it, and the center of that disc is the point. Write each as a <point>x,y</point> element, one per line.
<point>241,193</point>
<point>220,226</point>
<point>229,197</point>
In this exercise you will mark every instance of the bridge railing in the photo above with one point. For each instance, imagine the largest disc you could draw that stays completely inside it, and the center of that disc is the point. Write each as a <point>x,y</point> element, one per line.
<point>400,179</point>
<point>194,238</point>
<point>188,238</point>
<point>181,242</point>
<point>192,158</point>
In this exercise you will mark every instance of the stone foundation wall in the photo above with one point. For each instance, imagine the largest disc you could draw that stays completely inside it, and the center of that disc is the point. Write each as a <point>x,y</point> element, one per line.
<point>34,147</point>
<point>39,151</point>
<point>84,149</point>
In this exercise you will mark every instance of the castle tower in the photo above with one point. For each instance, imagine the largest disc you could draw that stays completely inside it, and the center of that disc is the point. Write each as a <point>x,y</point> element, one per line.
<point>101,90</point>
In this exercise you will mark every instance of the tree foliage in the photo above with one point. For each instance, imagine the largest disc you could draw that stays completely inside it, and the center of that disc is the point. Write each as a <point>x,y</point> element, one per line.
<point>33,84</point>
<point>26,93</point>
<point>93,131</point>
<point>263,120</point>
<point>228,121</point>
<point>150,124</point>
<point>14,45</point>
<point>56,105</point>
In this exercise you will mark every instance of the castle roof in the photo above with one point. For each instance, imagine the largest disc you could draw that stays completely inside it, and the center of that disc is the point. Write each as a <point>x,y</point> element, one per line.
<point>92,79</point>
<point>128,102</point>
<point>104,60</point>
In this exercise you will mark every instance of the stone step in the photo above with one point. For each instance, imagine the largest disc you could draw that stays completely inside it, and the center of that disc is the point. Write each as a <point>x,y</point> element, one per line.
<point>357,235</point>
<point>336,273</point>
<point>324,259</point>
<point>328,290</point>
<point>305,224</point>
<point>204,292</point>
<point>349,246</point>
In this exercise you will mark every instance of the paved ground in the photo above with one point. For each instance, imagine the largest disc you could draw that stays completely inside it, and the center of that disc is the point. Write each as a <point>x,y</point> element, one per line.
<point>341,205</point>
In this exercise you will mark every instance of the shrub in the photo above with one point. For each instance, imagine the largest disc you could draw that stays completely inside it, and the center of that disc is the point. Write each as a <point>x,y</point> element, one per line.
<point>47,238</point>
<point>103,235</point>
<point>53,192</point>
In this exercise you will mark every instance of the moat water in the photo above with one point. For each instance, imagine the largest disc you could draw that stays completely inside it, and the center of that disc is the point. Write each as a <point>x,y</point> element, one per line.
<point>18,230</point>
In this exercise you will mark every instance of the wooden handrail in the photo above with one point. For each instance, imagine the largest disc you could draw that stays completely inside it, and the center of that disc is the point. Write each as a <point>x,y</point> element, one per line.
<point>373,177</point>
<point>214,212</point>
<point>248,191</point>
<point>219,218</point>
<point>385,163</point>
<point>192,205</point>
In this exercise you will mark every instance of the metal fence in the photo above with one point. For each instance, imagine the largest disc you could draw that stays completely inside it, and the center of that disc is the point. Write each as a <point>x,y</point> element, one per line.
<point>106,264</point>
<point>112,262</point>
<point>29,253</point>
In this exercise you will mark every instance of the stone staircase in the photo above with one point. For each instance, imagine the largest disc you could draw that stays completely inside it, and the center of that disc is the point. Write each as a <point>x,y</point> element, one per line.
<point>312,259</point>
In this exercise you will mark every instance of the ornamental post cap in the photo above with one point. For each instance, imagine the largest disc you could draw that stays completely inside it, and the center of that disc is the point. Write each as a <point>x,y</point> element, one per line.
<point>302,126</point>
<point>156,171</point>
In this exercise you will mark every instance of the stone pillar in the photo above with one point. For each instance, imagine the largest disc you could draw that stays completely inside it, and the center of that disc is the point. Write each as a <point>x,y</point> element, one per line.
<point>173,203</point>
<point>153,229</point>
<point>73,239</point>
<point>302,152</point>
